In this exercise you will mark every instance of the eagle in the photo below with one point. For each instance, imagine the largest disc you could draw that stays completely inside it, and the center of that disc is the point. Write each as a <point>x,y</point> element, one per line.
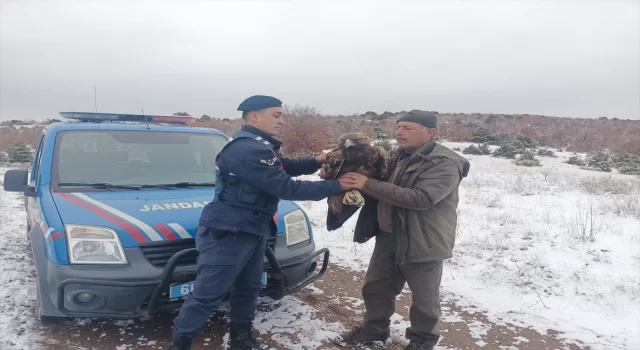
<point>354,153</point>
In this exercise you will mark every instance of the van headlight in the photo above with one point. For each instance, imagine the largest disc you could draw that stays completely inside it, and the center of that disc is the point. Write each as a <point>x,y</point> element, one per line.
<point>296,227</point>
<point>94,245</point>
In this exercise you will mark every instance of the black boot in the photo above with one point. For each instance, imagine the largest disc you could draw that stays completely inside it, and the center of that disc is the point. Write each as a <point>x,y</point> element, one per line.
<point>241,338</point>
<point>180,343</point>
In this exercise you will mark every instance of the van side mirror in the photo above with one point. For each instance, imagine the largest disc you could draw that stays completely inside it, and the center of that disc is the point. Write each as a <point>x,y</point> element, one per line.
<point>16,180</point>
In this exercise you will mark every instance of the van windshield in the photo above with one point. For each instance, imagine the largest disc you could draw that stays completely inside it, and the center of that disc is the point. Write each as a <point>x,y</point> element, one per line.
<point>130,159</point>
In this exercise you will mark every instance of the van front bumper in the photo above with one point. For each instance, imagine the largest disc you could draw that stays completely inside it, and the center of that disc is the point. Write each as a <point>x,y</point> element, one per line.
<point>139,290</point>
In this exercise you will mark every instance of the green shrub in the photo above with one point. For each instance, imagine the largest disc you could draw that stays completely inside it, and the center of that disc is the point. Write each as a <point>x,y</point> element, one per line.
<point>575,160</point>
<point>385,144</point>
<point>599,161</point>
<point>527,159</point>
<point>472,150</point>
<point>544,152</point>
<point>484,148</point>
<point>626,163</point>
<point>527,142</point>
<point>20,153</point>
<point>507,150</point>
<point>484,135</point>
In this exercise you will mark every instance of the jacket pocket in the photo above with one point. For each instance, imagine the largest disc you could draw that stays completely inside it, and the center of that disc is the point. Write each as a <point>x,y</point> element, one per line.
<point>426,234</point>
<point>210,240</point>
<point>248,193</point>
<point>218,235</point>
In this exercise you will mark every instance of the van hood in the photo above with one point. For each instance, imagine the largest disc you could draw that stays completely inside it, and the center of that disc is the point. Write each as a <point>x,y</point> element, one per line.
<point>144,216</point>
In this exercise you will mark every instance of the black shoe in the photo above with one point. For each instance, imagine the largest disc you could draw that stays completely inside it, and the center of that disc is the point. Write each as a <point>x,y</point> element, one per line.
<point>416,346</point>
<point>241,338</point>
<point>180,343</point>
<point>359,337</point>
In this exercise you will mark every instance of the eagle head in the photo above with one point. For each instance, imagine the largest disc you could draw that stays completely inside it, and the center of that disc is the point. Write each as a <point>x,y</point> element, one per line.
<point>354,139</point>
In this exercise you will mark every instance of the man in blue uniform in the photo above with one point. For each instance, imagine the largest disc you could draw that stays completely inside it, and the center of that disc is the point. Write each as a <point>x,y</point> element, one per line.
<point>252,176</point>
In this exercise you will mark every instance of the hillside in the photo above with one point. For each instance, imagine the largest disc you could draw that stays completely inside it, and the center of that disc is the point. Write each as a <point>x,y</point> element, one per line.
<point>612,142</point>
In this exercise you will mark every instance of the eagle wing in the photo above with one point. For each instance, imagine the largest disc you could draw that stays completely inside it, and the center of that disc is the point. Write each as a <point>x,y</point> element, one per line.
<point>333,163</point>
<point>381,163</point>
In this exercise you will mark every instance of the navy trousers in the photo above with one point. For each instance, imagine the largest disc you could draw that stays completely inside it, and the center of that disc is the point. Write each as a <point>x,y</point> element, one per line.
<point>227,262</point>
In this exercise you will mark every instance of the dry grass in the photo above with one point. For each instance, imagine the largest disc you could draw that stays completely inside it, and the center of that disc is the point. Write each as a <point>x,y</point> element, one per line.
<point>585,223</point>
<point>598,185</point>
<point>627,204</point>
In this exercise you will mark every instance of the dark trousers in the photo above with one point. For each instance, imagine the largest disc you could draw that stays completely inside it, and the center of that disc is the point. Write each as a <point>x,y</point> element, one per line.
<point>227,262</point>
<point>385,281</point>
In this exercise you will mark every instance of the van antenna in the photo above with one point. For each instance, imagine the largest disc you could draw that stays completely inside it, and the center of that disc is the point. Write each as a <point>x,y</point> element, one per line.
<point>145,119</point>
<point>95,98</point>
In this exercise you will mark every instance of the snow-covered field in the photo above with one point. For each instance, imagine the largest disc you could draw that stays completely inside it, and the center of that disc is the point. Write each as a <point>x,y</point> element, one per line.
<point>17,281</point>
<point>552,247</point>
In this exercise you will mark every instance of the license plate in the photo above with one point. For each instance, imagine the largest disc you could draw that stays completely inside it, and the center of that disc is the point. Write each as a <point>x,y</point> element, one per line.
<point>184,289</point>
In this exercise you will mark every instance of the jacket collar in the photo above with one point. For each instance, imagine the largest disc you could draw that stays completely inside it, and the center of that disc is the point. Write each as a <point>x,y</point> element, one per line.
<point>252,129</point>
<point>427,148</point>
<point>422,151</point>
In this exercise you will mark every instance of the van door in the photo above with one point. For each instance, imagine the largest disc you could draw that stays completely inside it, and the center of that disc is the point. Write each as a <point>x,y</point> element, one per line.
<point>32,204</point>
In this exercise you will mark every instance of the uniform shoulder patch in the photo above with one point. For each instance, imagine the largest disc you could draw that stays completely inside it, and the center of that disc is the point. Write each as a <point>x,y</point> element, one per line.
<point>271,161</point>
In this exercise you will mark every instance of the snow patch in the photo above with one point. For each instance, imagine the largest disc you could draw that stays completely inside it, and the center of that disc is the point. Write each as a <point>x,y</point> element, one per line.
<point>18,322</point>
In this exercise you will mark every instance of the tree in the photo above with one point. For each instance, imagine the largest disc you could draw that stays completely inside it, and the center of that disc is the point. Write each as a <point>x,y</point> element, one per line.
<point>575,160</point>
<point>205,117</point>
<point>627,163</point>
<point>599,161</point>
<point>345,125</point>
<point>182,114</point>
<point>386,144</point>
<point>305,136</point>
<point>371,114</point>
<point>227,126</point>
<point>20,153</point>
<point>527,142</point>
<point>484,135</point>
<point>507,150</point>
<point>300,111</point>
<point>484,148</point>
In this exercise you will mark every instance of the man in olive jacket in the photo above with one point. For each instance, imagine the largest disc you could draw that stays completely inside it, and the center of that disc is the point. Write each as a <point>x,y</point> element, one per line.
<point>412,214</point>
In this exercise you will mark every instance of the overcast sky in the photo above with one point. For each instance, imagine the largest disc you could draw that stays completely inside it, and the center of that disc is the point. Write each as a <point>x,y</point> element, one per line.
<point>555,57</point>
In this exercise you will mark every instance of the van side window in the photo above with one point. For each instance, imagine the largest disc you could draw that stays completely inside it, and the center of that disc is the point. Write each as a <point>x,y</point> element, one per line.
<point>35,170</point>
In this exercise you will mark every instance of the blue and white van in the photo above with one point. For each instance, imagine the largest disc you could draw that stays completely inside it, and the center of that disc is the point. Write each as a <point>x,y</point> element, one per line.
<point>113,202</point>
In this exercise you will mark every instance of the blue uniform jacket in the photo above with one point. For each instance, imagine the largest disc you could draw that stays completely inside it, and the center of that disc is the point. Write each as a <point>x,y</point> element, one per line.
<point>252,176</point>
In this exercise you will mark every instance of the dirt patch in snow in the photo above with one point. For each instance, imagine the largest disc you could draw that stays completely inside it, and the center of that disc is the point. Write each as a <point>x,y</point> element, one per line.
<point>466,328</point>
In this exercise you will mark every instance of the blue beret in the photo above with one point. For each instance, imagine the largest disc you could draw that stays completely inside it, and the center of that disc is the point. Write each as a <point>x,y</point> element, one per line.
<point>258,102</point>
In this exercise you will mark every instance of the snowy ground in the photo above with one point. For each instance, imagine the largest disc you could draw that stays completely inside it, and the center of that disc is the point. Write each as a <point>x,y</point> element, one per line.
<point>553,247</point>
<point>17,280</point>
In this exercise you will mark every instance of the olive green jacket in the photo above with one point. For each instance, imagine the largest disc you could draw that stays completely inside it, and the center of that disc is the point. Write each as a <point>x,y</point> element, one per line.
<point>424,199</point>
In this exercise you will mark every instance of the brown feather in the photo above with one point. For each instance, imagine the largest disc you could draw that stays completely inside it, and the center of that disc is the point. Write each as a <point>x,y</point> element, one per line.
<point>354,154</point>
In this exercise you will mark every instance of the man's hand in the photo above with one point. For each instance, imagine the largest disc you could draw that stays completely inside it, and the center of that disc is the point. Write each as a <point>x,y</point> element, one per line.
<point>323,171</point>
<point>353,180</point>
<point>321,158</point>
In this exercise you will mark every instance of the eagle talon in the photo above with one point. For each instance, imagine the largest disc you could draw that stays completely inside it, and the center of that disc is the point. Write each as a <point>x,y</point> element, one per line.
<point>354,198</point>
